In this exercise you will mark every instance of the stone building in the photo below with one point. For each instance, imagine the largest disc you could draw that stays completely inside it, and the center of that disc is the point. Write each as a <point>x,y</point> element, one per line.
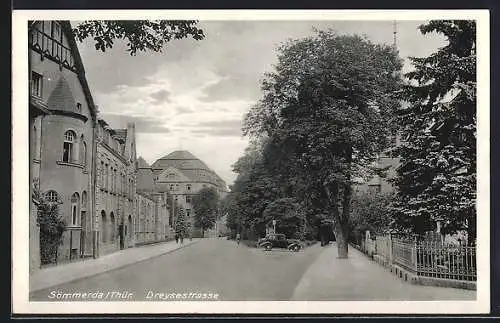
<point>63,138</point>
<point>182,175</point>
<point>115,187</point>
<point>152,215</point>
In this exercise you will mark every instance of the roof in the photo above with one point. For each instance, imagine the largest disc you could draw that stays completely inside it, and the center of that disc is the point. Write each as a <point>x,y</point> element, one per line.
<point>61,97</point>
<point>181,159</point>
<point>141,163</point>
<point>121,134</point>
<point>195,169</point>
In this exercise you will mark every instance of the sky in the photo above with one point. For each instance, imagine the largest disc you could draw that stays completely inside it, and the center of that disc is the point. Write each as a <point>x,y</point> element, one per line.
<point>193,95</point>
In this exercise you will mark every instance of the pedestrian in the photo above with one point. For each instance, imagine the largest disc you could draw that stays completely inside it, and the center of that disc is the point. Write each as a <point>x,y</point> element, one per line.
<point>182,238</point>
<point>176,238</point>
<point>238,238</point>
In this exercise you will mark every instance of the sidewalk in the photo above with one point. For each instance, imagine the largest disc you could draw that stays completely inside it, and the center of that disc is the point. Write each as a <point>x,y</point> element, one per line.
<point>360,279</point>
<point>53,276</point>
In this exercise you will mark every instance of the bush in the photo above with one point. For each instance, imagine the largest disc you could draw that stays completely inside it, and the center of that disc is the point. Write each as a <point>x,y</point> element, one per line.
<point>52,228</point>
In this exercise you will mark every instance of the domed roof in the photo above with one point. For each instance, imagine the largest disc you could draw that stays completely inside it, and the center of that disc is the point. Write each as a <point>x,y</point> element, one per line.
<point>189,165</point>
<point>180,159</point>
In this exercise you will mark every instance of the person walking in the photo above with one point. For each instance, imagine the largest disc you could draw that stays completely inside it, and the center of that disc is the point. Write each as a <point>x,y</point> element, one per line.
<point>238,238</point>
<point>182,238</point>
<point>176,238</point>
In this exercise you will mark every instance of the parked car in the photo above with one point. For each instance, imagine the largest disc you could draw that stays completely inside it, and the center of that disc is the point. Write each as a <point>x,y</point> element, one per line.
<point>279,240</point>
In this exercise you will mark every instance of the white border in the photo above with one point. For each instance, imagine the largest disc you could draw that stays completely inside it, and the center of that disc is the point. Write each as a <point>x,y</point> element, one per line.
<point>20,166</point>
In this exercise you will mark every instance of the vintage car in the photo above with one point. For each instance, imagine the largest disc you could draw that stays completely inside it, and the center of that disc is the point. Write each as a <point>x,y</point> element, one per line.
<point>279,240</point>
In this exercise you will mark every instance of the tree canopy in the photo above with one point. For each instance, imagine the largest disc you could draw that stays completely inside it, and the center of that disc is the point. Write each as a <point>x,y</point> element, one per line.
<point>327,111</point>
<point>437,176</point>
<point>140,35</point>
<point>205,206</point>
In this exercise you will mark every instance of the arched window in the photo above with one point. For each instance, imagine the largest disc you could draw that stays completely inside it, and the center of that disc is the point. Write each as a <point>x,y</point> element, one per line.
<point>52,196</point>
<point>75,204</point>
<point>104,226</point>
<point>69,141</point>
<point>84,200</point>
<point>84,153</point>
<point>112,227</point>
<point>101,175</point>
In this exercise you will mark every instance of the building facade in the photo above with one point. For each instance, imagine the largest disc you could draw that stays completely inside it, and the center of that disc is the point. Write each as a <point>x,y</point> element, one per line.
<point>115,187</point>
<point>62,144</point>
<point>153,215</point>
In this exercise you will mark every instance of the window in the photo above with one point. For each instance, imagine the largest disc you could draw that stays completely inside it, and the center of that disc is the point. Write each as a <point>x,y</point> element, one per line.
<point>188,198</point>
<point>83,152</point>
<point>78,107</point>
<point>84,200</point>
<point>75,201</point>
<point>52,196</point>
<point>171,187</point>
<point>112,227</point>
<point>69,140</point>
<point>104,226</point>
<point>100,177</point>
<point>36,84</point>
<point>56,31</point>
<point>188,212</point>
<point>106,176</point>
<point>188,187</point>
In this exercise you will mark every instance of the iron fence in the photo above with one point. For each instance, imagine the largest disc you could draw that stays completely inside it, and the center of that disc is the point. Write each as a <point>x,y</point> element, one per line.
<point>446,261</point>
<point>403,254</point>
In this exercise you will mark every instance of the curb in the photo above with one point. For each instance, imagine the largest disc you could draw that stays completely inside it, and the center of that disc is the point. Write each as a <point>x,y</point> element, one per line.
<point>111,269</point>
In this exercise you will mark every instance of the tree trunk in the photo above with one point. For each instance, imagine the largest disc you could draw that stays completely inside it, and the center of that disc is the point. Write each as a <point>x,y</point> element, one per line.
<point>332,192</point>
<point>341,237</point>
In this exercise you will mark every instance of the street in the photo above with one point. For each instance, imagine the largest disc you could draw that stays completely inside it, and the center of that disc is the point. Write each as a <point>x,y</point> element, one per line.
<point>211,266</point>
<point>240,273</point>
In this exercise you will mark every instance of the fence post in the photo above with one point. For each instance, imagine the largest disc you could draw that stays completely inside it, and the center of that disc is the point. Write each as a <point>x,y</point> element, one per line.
<point>414,256</point>
<point>390,249</point>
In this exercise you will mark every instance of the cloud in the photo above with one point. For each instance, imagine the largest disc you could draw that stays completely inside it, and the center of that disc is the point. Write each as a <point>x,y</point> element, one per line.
<point>217,128</point>
<point>224,132</point>
<point>142,124</point>
<point>237,86</point>
<point>232,123</point>
<point>183,110</point>
<point>160,96</point>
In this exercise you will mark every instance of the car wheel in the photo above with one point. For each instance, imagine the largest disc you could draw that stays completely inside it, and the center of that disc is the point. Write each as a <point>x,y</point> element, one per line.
<point>268,247</point>
<point>296,248</point>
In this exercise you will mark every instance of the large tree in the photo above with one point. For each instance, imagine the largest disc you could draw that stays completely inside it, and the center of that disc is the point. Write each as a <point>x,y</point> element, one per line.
<point>328,106</point>
<point>205,206</point>
<point>139,35</point>
<point>437,176</point>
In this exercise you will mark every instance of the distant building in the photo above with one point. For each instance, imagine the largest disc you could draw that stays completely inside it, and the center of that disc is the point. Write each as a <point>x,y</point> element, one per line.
<point>62,133</point>
<point>388,164</point>
<point>153,214</point>
<point>182,175</point>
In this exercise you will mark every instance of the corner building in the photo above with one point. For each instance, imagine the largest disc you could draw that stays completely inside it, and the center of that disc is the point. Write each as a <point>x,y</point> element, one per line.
<point>63,138</point>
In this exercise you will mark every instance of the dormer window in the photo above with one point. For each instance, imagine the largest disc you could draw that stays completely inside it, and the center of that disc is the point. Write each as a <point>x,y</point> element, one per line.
<point>78,107</point>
